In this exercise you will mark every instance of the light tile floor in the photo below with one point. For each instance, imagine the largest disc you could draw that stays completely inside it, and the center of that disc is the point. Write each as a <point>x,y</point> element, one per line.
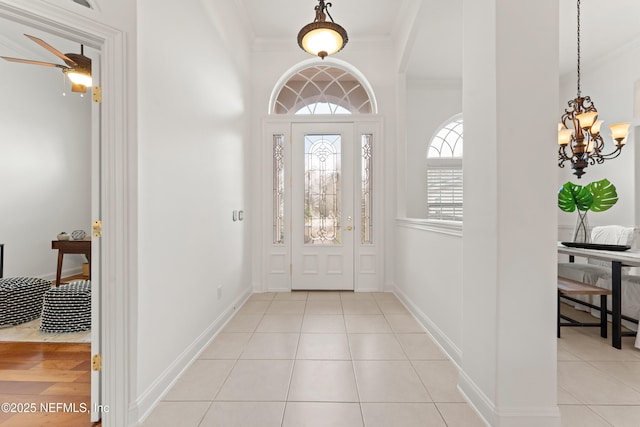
<point>307,359</point>
<point>598,385</point>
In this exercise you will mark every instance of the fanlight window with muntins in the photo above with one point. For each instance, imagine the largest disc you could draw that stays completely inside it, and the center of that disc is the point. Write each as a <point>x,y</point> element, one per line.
<point>323,89</point>
<point>444,173</point>
<point>448,141</point>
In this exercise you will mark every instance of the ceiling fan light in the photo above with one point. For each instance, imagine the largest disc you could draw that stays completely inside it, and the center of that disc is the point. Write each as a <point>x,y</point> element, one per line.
<point>80,78</point>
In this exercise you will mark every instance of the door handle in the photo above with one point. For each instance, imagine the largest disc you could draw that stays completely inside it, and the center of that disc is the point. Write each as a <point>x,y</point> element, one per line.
<point>349,228</point>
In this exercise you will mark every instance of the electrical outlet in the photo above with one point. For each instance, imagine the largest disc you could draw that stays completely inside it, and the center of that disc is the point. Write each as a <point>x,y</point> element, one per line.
<point>219,291</point>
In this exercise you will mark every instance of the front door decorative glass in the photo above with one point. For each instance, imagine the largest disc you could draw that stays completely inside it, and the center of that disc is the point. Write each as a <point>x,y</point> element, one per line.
<point>322,189</point>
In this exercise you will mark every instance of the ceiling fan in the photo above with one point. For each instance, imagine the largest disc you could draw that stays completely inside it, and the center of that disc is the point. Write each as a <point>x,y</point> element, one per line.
<point>78,67</point>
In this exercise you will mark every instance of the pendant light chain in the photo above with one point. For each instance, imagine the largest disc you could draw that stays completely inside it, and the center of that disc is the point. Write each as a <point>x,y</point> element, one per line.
<point>578,38</point>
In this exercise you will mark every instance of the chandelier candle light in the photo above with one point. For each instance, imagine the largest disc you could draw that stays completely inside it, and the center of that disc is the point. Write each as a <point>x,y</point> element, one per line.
<point>579,136</point>
<point>322,38</point>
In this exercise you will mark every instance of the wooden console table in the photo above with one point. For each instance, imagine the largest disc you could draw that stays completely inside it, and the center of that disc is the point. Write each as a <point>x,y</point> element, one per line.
<point>71,247</point>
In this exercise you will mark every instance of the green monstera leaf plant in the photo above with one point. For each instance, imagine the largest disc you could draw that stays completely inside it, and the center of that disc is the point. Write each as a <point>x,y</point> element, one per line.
<point>597,196</point>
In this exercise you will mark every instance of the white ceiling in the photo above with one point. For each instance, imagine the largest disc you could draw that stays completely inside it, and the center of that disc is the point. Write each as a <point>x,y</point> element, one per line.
<point>437,47</point>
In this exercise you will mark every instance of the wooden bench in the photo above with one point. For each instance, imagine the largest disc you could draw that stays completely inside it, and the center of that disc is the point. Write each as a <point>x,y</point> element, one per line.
<point>568,288</point>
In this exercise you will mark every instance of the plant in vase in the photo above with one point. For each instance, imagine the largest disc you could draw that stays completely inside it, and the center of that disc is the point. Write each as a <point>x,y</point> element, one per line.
<point>597,196</point>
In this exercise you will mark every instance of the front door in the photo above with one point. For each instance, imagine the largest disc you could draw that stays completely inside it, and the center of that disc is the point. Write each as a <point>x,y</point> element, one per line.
<point>322,208</point>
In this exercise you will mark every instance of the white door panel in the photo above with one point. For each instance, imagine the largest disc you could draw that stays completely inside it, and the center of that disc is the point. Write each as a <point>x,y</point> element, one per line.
<point>322,210</point>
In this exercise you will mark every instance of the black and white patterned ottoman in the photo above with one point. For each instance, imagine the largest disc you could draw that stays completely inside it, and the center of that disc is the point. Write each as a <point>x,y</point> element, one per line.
<point>67,308</point>
<point>21,299</point>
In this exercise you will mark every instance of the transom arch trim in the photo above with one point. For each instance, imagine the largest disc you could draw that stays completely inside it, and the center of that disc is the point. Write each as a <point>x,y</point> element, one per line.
<point>309,91</point>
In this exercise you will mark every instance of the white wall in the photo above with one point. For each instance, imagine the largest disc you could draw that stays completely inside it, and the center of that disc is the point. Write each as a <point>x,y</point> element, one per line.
<point>429,104</point>
<point>45,168</point>
<point>428,262</point>
<point>193,114</point>
<point>429,281</point>
<point>610,82</point>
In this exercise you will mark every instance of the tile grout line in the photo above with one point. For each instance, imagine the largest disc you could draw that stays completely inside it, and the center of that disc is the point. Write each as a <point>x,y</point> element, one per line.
<point>293,365</point>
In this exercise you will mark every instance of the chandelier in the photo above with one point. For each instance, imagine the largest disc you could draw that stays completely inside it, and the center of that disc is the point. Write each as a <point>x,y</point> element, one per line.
<point>322,38</point>
<point>579,136</point>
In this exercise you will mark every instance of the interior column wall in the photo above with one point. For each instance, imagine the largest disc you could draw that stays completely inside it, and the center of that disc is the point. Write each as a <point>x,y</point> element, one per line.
<point>508,361</point>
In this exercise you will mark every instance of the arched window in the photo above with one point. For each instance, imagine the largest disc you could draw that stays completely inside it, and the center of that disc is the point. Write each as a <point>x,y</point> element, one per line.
<point>444,172</point>
<point>322,89</point>
<point>323,108</point>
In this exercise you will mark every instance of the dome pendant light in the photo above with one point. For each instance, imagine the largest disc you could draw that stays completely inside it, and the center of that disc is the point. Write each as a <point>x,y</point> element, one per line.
<point>322,38</point>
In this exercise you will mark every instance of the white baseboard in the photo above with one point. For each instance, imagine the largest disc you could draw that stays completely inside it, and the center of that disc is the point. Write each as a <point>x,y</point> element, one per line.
<point>548,416</point>
<point>279,290</point>
<point>484,407</point>
<point>367,290</point>
<point>476,398</point>
<point>156,391</point>
<point>447,346</point>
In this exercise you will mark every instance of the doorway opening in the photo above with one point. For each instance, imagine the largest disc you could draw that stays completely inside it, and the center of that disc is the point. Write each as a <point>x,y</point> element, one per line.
<point>324,167</point>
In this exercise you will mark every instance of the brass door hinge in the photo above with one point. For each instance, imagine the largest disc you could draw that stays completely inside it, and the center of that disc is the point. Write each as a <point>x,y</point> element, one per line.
<point>96,228</point>
<point>97,94</point>
<point>96,362</point>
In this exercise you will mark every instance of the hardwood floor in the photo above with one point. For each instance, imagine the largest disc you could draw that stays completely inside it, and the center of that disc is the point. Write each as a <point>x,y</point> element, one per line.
<point>45,384</point>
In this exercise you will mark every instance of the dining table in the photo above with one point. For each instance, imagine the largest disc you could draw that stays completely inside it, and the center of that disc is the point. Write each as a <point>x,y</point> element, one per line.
<point>617,259</point>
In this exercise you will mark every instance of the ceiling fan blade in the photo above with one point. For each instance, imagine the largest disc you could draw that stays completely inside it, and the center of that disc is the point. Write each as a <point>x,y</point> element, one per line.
<point>53,50</point>
<point>29,61</point>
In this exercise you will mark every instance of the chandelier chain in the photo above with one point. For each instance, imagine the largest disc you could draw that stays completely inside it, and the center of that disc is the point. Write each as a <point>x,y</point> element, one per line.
<point>578,39</point>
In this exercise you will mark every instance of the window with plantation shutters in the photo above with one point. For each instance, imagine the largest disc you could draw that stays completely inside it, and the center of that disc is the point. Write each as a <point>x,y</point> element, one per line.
<point>444,173</point>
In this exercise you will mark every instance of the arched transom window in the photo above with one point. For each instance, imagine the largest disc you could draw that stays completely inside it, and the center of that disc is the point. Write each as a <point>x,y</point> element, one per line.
<point>322,89</point>
<point>444,172</point>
